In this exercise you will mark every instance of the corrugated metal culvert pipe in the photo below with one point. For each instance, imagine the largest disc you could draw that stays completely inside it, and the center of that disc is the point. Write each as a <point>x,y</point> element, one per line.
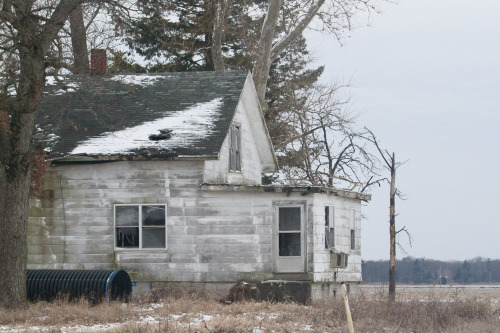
<point>96,285</point>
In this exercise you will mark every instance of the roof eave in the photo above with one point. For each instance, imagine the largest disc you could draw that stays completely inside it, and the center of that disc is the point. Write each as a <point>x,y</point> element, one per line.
<point>113,158</point>
<point>303,190</point>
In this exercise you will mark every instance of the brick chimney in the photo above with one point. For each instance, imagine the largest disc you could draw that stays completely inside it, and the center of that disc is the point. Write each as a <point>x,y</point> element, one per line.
<point>98,61</point>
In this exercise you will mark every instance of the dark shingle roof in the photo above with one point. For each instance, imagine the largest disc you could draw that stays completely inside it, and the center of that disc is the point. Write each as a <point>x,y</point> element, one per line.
<point>154,115</point>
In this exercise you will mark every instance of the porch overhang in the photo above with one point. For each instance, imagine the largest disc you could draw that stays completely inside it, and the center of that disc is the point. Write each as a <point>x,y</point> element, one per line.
<point>303,190</point>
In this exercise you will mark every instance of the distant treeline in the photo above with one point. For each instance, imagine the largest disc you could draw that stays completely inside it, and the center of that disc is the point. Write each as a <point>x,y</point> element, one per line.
<point>427,271</point>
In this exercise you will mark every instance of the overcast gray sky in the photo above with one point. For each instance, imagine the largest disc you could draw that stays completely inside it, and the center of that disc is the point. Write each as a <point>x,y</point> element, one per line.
<point>425,77</point>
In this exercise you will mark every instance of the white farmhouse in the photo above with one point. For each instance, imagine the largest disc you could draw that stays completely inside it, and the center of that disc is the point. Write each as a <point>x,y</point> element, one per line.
<point>160,175</point>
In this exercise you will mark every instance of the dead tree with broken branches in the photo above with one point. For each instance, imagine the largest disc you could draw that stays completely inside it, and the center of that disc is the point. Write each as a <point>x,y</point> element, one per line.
<point>389,163</point>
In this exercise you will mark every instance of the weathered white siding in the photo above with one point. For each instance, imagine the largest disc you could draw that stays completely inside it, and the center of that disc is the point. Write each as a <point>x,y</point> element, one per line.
<point>212,236</point>
<point>216,171</point>
<point>209,238</point>
<point>343,208</point>
<point>73,226</point>
<point>256,149</point>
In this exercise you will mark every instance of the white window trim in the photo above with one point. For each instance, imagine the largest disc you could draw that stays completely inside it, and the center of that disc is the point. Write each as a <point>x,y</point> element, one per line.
<point>140,248</point>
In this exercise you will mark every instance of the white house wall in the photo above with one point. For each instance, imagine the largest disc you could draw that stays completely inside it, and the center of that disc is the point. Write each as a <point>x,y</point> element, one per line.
<point>212,236</point>
<point>343,207</point>
<point>216,171</point>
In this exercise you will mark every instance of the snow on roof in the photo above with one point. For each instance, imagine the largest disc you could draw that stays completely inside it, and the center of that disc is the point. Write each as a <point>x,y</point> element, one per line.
<point>69,87</point>
<point>50,80</point>
<point>192,123</point>
<point>138,80</point>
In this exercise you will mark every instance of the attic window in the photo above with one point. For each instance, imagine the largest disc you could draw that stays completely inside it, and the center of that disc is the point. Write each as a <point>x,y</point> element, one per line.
<point>234,148</point>
<point>140,226</point>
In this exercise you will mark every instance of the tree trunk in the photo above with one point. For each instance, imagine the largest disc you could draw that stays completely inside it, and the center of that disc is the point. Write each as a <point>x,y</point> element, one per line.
<point>267,52</point>
<point>218,34</point>
<point>79,42</point>
<point>14,194</point>
<point>392,232</point>
<point>15,174</point>
<point>263,62</point>
<point>32,40</point>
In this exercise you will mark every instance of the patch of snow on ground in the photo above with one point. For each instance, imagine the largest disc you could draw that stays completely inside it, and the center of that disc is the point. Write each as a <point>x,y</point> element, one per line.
<point>154,306</point>
<point>138,80</point>
<point>201,319</point>
<point>207,317</point>
<point>268,316</point>
<point>148,319</point>
<point>186,125</point>
<point>178,316</point>
<point>93,328</point>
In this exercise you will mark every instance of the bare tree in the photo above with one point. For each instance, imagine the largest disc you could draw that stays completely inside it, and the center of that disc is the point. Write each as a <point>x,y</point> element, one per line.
<point>323,149</point>
<point>90,25</point>
<point>218,34</point>
<point>79,42</point>
<point>293,17</point>
<point>389,161</point>
<point>28,30</point>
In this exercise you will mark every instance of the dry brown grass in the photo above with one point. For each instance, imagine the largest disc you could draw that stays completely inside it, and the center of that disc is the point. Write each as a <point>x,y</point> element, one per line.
<point>188,311</point>
<point>61,313</point>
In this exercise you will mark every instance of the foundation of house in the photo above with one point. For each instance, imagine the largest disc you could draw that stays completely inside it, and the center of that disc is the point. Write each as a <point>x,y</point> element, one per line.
<point>299,291</point>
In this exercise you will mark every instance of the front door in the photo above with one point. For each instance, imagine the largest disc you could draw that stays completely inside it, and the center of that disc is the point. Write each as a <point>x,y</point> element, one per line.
<point>290,239</point>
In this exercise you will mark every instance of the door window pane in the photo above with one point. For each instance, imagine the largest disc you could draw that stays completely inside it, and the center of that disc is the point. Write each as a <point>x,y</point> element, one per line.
<point>289,244</point>
<point>289,219</point>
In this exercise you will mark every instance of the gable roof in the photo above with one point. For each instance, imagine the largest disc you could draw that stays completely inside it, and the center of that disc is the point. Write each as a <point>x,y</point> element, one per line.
<point>139,115</point>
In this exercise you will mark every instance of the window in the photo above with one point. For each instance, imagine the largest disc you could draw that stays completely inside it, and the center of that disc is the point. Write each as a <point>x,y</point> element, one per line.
<point>290,232</point>
<point>353,239</point>
<point>234,148</point>
<point>329,227</point>
<point>352,223</point>
<point>140,226</point>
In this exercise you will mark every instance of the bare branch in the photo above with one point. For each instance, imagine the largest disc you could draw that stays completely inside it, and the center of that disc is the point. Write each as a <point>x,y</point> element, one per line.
<point>297,31</point>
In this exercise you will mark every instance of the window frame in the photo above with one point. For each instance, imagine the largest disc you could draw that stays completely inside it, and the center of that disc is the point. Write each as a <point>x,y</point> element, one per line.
<point>353,240</point>
<point>300,231</point>
<point>234,164</point>
<point>141,227</point>
<point>352,224</point>
<point>330,226</point>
